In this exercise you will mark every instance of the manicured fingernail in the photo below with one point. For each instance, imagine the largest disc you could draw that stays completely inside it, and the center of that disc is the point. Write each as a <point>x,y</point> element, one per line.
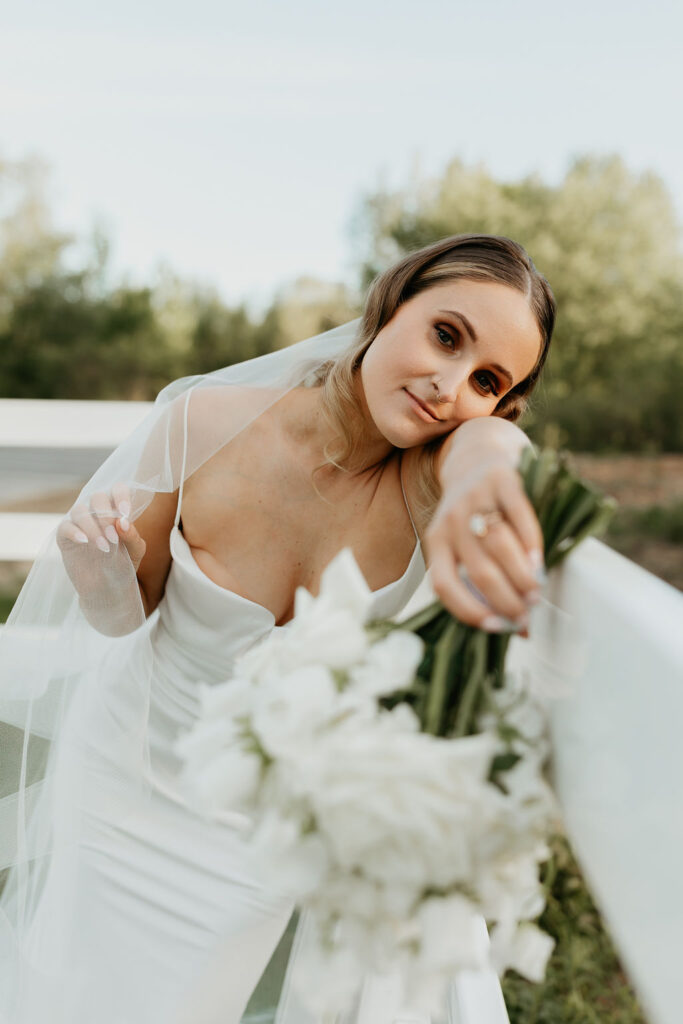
<point>102,544</point>
<point>499,624</point>
<point>80,537</point>
<point>536,558</point>
<point>495,624</point>
<point>111,534</point>
<point>537,566</point>
<point>125,525</point>
<point>124,508</point>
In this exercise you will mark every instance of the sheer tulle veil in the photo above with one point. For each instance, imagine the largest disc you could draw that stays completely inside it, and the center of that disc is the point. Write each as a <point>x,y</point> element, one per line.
<point>51,658</point>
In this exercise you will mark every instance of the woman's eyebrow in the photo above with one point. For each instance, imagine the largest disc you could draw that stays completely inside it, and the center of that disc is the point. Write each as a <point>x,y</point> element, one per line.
<point>473,335</point>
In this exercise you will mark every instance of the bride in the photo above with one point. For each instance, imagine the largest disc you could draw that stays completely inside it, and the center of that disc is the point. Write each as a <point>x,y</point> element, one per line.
<point>393,436</point>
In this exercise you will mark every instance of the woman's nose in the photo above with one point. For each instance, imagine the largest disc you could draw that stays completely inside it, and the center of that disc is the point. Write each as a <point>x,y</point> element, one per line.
<point>452,381</point>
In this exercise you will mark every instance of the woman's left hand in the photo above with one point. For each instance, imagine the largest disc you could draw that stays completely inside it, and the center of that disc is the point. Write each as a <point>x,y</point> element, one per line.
<point>487,581</point>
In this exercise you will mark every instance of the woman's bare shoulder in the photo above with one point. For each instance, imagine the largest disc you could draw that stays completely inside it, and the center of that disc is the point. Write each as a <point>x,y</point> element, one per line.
<point>228,405</point>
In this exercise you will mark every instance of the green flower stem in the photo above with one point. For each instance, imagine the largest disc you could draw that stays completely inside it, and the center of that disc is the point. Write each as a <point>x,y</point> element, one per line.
<point>436,698</point>
<point>473,685</point>
<point>461,665</point>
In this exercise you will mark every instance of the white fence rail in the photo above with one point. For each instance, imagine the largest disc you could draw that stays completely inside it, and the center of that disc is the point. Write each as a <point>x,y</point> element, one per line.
<point>609,636</point>
<point>48,444</point>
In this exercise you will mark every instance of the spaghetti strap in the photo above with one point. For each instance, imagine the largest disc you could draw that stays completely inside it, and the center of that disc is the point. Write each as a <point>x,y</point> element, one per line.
<point>184,462</point>
<point>400,476</point>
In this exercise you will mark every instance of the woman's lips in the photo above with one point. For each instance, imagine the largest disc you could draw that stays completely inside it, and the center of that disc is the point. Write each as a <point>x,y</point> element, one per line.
<point>421,410</point>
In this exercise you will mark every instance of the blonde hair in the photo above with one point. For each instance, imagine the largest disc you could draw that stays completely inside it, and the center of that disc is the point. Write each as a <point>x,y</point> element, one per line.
<point>459,257</point>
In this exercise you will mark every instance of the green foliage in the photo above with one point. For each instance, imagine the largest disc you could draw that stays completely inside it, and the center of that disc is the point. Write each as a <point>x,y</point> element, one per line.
<point>68,333</point>
<point>584,982</point>
<point>59,341</point>
<point>606,238</point>
<point>7,600</point>
<point>608,242</point>
<point>664,522</point>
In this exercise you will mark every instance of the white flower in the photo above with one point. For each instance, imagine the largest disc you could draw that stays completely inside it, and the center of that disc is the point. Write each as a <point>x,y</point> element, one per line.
<point>509,887</point>
<point>229,780</point>
<point>453,934</point>
<point>233,697</point>
<point>329,975</point>
<point>342,585</point>
<point>327,629</point>
<point>293,862</point>
<point>526,785</point>
<point>398,804</point>
<point>322,634</point>
<point>290,708</point>
<point>389,665</point>
<point>527,950</point>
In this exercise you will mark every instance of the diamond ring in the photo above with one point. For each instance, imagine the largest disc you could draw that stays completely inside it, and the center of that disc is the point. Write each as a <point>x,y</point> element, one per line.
<point>479,522</point>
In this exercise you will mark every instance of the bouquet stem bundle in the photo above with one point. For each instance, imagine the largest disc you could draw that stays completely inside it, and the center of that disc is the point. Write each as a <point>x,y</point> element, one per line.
<point>462,664</point>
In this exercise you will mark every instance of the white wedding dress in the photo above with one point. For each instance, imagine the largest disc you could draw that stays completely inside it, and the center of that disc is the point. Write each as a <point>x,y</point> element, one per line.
<point>155,915</point>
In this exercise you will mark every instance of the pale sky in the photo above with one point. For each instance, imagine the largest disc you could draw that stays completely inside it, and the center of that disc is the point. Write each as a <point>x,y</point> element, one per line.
<point>232,141</point>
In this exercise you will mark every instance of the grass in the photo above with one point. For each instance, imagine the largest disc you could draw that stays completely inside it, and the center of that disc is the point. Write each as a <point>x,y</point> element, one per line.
<point>661,522</point>
<point>584,982</point>
<point>6,602</point>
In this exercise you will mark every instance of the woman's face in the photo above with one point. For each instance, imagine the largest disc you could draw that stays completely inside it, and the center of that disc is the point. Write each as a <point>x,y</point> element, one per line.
<point>474,339</point>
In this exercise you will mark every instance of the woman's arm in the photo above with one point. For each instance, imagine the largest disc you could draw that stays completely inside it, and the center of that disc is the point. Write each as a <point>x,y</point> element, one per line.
<point>476,467</point>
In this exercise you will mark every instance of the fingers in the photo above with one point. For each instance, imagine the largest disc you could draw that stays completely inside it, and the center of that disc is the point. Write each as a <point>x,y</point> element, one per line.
<point>520,514</point>
<point>499,569</point>
<point>499,566</point>
<point>450,588</point>
<point>121,497</point>
<point>103,524</point>
<point>82,527</point>
<point>134,544</point>
<point>103,512</point>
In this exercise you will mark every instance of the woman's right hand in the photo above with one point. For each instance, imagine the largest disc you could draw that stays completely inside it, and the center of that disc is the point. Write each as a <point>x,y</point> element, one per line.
<point>91,536</point>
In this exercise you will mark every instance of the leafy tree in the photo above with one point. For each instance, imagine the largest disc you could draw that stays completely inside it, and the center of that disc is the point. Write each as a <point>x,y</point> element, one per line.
<point>609,243</point>
<point>68,333</point>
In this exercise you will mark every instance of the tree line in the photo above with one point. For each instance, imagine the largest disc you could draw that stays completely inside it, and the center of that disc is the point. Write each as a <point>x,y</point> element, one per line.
<point>607,239</point>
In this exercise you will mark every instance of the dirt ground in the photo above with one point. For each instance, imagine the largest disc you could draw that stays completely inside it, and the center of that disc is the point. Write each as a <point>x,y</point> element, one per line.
<point>635,480</point>
<point>638,481</point>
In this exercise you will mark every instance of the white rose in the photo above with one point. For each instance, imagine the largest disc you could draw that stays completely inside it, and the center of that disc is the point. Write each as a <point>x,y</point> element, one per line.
<point>509,887</point>
<point>389,665</point>
<point>288,709</point>
<point>323,633</point>
<point>227,781</point>
<point>228,699</point>
<point>397,804</point>
<point>328,975</point>
<point>343,584</point>
<point>294,862</point>
<point>453,934</point>
<point>527,951</point>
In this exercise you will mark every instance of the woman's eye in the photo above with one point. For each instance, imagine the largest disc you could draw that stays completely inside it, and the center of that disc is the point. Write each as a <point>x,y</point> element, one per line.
<point>445,337</point>
<point>485,381</point>
<point>489,384</point>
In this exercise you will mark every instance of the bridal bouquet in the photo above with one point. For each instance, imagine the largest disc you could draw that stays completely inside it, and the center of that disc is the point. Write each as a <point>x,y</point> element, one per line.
<point>393,776</point>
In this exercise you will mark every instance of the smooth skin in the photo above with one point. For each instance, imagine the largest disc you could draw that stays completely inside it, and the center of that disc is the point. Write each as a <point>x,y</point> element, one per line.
<point>256,524</point>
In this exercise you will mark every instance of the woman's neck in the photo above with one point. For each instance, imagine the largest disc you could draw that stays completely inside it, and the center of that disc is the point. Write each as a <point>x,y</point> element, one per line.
<point>305,422</point>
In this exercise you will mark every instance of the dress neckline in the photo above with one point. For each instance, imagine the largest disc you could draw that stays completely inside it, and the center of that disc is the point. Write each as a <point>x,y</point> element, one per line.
<point>192,564</point>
